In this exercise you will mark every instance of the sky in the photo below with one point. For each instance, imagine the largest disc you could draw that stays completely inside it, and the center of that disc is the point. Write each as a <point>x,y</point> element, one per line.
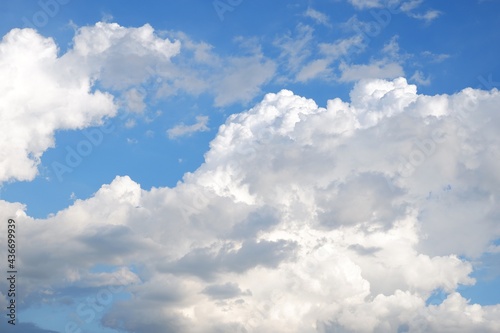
<point>250,166</point>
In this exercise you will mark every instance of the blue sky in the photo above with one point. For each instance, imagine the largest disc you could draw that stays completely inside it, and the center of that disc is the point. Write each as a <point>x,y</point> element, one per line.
<point>191,148</point>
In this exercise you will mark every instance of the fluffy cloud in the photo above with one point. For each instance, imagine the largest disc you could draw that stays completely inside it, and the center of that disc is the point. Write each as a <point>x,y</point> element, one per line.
<point>108,67</point>
<point>42,92</point>
<point>39,95</point>
<point>121,57</point>
<point>344,218</point>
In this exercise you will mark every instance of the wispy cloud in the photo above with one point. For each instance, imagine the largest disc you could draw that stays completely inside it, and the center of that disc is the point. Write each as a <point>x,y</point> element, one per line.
<point>186,130</point>
<point>428,16</point>
<point>318,17</point>
<point>419,77</point>
<point>376,69</point>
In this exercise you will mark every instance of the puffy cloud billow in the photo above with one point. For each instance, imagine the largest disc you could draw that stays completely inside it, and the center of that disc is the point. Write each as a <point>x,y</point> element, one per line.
<point>42,92</point>
<point>344,218</point>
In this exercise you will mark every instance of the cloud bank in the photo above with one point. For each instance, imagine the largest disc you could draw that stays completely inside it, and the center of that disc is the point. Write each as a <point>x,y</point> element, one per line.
<point>344,218</point>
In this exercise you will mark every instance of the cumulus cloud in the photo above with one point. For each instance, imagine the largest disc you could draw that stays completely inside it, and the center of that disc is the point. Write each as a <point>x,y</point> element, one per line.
<point>343,218</point>
<point>107,67</point>
<point>42,92</point>
<point>38,96</point>
<point>122,57</point>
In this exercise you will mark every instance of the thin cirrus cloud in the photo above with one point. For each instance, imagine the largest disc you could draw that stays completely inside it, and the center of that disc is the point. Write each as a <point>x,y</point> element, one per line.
<point>312,262</point>
<point>408,7</point>
<point>318,16</point>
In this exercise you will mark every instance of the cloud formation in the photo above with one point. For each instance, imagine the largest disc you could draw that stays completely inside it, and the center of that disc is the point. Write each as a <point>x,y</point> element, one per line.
<point>344,218</point>
<point>42,92</point>
<point>182,130</point>
<point>38,96</point>
<point>108,67</point>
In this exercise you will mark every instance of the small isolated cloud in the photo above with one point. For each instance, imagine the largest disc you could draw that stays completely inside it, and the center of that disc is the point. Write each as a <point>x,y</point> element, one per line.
<point>435,57</point>
<point>428,16</point>
<point>186,130</point>
<point>409,7</point>
<point>419,77</point>
<point>134,100</point>
<point>318,16</point>
<point>392,48</point>
<point>364,4</point>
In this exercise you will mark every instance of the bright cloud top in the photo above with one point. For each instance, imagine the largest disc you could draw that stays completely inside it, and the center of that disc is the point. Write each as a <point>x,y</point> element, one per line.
<point>51,97</point>
<point>302,219</point>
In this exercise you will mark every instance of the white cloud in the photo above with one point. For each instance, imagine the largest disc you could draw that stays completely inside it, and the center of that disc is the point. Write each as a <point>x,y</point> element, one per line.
<point>395,6</point>
<point>318,16</point>
<point>234,79</point>
<point>186,130</point>
<point>122,57</point>
<point>377,69</point>
<point>242,78</point>
<point>302,63</point>
<point>419,77</point>
<point>408,6</point>
<point>301,219</point>
<point>62,92</point>
<point>429,15</point>
<point>364,4</point>
<point>39,95</point>
<point>296,49</point>
<point>314,69</point>
<point>134,100</point>
<point>436,58</point>
<point>60,88</point>
<point>331,52</point>
<point>392,48</point>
